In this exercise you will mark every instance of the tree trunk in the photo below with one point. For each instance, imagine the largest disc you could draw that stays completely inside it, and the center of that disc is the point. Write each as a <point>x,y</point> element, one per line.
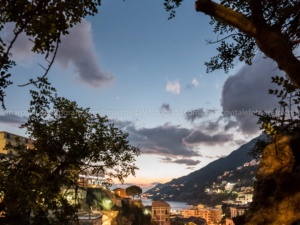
<point>276,198</point>
<point>269,40</point>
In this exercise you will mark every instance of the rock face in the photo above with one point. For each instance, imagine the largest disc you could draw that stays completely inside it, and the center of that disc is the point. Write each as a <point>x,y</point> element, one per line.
<point>277,190</point>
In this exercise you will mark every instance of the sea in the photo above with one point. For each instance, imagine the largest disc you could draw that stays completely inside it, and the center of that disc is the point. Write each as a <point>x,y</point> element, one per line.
<point>175,206</point>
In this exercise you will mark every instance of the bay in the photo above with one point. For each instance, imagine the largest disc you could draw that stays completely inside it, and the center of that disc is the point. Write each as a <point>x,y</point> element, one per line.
<point>175,206</point>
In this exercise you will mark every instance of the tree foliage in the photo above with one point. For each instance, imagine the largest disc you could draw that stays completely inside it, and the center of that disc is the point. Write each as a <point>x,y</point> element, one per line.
<point>133,191</point>
<point>135,214</point>
<point>285,119</point>
<point>243,28</point>
<point>282,120</point>
<point>43,22</point>
<point>96,196</point>
<point>68,140</point>
<point>246,26</point>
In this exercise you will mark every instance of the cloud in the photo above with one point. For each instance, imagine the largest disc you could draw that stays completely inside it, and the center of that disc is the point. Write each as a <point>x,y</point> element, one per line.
<point>174,142</point>
<point>12,119</point>
<point>186,161</point>
<point>247,92</point>
<point>166,140</point>
<point>121,124</point>
<point>230,124</point>
<point>195,82</point>
<point>21,50</point>
<point>165,107</point>
<point>198,137</point>
<point>173,87</point>
<point>78,49</point>
<point>199,113</point>
<point>240,142</point>
<point>195,114</point>
<point>212,125</point>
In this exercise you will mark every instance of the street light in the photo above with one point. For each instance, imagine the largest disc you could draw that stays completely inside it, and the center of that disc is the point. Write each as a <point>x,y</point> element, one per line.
<point>107,203</point>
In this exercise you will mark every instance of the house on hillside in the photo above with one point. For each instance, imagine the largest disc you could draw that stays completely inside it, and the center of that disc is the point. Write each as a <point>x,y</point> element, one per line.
<point>229,186</point>
<point>161,212</point>
<point>237,211</point>
<point>121,192</point>
<point>9,138</point>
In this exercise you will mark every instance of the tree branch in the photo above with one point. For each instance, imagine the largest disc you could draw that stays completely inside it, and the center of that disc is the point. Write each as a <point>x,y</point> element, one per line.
<point>269,40</point>
<point>222,39</point>
<point>46,69</point>
<point>227,15</point>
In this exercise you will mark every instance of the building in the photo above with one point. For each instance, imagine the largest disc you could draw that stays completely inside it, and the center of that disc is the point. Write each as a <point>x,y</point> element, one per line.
<point>244,198</point>
<point>92,219</point>
<point>229,186</point>
<point>9,138</point>
<point>121,192</point>
<point>248,197</point>
<point>237,211</point>
<point>85,180</point>
<point>189,212</point>
<point>211,215</point>
<point>161,212</point>
<point>229,221</point>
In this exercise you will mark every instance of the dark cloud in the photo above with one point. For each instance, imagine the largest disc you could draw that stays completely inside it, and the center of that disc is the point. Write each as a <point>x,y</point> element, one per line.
<point>188,162</point>
<point>198,137</point>
<point>220,156</point>
<point>212,125</point>
<point>240,142</point>
<point>210,157</point>
<point>165,107</point>
<point>230,124</point>
<point>174,143</point>
<point>195,114</point>
<point>166,140</point>
<point>247,92</point>
<point>121,124</point>
<point>77,48</point>
<point>12,119</point>
<point>185,161</point>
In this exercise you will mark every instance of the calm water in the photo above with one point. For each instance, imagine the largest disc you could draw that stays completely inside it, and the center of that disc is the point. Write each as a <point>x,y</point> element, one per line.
<point>175,206</point>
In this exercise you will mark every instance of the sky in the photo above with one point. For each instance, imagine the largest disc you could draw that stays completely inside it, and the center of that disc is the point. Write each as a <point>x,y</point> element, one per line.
<point>147,74</point>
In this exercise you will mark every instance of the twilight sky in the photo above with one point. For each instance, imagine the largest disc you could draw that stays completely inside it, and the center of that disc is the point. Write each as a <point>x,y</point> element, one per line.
<point>147,74</point>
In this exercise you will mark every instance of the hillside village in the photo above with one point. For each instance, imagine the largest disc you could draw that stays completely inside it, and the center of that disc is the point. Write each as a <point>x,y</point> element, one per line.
<point>227,197</point>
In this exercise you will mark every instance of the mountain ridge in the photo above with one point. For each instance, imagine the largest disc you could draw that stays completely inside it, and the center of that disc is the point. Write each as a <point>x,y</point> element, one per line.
<point>190,187</point>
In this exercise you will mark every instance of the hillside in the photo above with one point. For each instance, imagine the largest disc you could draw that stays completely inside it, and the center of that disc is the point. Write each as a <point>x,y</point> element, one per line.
<point>191,187</point>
